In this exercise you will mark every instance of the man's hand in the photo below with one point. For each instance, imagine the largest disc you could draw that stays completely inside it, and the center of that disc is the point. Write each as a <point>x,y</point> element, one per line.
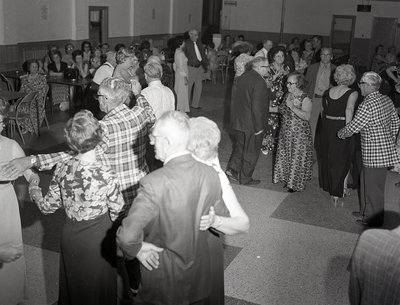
<point>15,168</point>
<point>148,256</point>
<point>135,86</point>
<point>341,134</point>
<point>10,252</point>
<point>206,221</point>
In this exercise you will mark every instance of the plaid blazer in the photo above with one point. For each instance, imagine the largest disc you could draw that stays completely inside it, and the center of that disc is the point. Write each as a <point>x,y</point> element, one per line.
<point>375,269</point>
<point>123,148</point>
<point>378,123</point>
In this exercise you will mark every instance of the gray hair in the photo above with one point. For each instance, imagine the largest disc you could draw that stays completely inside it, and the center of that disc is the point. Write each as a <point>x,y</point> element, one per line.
<point>345,75</point>
<point>204,138</point>
<point>153,70</point>
<point>118,91</point>
<point>372,78</point>
<point>175,126</point>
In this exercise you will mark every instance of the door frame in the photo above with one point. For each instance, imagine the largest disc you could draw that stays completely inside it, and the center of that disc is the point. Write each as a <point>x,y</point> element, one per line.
<point>353,24</point>
<point>104,21</point>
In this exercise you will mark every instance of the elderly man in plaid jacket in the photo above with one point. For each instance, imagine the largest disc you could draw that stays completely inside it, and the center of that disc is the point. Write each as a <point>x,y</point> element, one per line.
<point>378,123</point>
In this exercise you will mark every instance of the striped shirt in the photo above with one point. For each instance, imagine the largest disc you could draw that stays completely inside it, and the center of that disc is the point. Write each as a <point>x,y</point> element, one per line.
<point>123,148</point>
<point>378,123</point>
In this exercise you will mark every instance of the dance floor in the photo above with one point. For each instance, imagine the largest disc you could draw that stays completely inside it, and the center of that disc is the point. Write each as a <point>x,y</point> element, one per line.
<point>297,251</point>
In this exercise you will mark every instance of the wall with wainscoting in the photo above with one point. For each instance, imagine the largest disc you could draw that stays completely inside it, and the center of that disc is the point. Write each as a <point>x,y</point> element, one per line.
<point>27,27</point>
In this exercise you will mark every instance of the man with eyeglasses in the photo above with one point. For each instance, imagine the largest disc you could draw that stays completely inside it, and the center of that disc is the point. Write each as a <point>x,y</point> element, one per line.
<point>378,123</point>
<point>248,117</point>
<point>319,77</point>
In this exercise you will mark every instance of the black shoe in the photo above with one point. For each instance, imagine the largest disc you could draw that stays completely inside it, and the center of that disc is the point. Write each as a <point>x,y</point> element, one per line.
<point>361,221</point>
<point>251,182</point>
<point>198,108</point>
<point>232,174</point>
<point>291,190</point>
<point>356,214</point>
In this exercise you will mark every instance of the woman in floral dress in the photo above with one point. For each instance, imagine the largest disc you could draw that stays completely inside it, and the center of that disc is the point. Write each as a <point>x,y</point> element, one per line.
<point>90,195</point>
<point>293,164</point>
<point>33,81</point>
<point>276,77</point>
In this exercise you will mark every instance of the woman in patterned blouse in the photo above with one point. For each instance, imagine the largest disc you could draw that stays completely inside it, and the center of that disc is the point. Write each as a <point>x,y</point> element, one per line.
<point>90,195</point>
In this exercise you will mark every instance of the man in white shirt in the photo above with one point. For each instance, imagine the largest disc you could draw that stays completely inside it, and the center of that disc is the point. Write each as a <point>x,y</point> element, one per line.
<point>105,70</point>
<point>161,99</point>
<point>267,45</point>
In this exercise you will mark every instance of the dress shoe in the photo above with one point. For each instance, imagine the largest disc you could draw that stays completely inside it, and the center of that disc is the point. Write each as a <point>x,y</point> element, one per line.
<point>198,108</point>
<point>251,182</point>
<point>289,190</point>
<point>232,174</point>
<point>361,221</point>
<point>356,214</point>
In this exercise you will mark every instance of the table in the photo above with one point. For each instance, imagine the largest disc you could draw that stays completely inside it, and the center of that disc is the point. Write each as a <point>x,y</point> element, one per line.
<point>11,95</point>
<point>82,83</point>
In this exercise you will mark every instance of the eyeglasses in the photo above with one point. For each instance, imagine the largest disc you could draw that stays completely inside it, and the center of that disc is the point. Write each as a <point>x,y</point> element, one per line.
<point>362,83</point>
<point>329,54</point>
<point>290,83</point>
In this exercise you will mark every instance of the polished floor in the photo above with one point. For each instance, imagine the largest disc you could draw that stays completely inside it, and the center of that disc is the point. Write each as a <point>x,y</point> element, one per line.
<point>297,250</point>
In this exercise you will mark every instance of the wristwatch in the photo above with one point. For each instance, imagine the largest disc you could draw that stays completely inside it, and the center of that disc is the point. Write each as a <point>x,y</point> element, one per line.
<point>33,160</point>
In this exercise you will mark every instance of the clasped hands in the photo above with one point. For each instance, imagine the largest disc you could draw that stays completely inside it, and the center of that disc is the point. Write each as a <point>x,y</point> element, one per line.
<point>14,169</point>
<point>10,252</point>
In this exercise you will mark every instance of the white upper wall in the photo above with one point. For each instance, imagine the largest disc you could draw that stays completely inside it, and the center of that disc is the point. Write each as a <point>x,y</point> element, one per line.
<point>186,14</point>
<point>303,16</point>
<point>43,20</point>
<point>151,17</point>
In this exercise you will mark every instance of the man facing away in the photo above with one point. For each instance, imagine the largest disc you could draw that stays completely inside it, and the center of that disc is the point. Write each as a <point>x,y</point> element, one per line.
<point>248,116</point>
<point>160,98</point>
<point>197,63</point>
<point>378,123</point>
<point>166,213</point>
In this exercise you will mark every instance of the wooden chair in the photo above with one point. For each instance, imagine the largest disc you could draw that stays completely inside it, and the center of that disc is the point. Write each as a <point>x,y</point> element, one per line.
<point>7,82</point>
<point>222,63</point>
<point>41,104</point>
<point>16,115</point>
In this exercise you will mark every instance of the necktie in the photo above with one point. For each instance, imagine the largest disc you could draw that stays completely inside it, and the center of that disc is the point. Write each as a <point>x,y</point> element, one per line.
<point>196,49</point>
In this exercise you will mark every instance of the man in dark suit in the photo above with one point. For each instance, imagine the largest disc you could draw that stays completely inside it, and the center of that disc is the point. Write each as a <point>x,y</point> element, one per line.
<point>375,269</point>
<point>319,78</point>
<point>197,64</point>
<point>249,110</point>
<point>316,41</point>
<point>166,213</point>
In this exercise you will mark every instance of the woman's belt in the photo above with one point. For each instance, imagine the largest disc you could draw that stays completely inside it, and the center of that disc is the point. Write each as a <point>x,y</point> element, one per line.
<point>5,182</point>
<point>337,118</point>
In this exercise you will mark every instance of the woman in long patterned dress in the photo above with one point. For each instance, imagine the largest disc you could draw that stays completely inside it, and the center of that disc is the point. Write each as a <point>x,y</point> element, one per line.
<point>276,77</point>
<point>181,77</point>
<point>33,81</point>
<point>293,164</point>
<point>12,260</point>
<point>336,154</point>
<point>90,195</point>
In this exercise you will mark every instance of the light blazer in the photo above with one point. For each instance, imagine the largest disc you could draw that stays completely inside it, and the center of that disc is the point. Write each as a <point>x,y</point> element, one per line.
<point>167,213</point>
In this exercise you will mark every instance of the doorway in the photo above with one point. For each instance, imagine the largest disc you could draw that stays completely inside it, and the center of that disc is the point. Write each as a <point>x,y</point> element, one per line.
<point>211,18</point>
<point>98,24</point>
<point>342,33</point>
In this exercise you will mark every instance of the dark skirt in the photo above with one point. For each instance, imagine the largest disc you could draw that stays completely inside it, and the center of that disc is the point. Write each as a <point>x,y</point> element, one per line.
<point>215,244</point>
<point>87,263</point>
